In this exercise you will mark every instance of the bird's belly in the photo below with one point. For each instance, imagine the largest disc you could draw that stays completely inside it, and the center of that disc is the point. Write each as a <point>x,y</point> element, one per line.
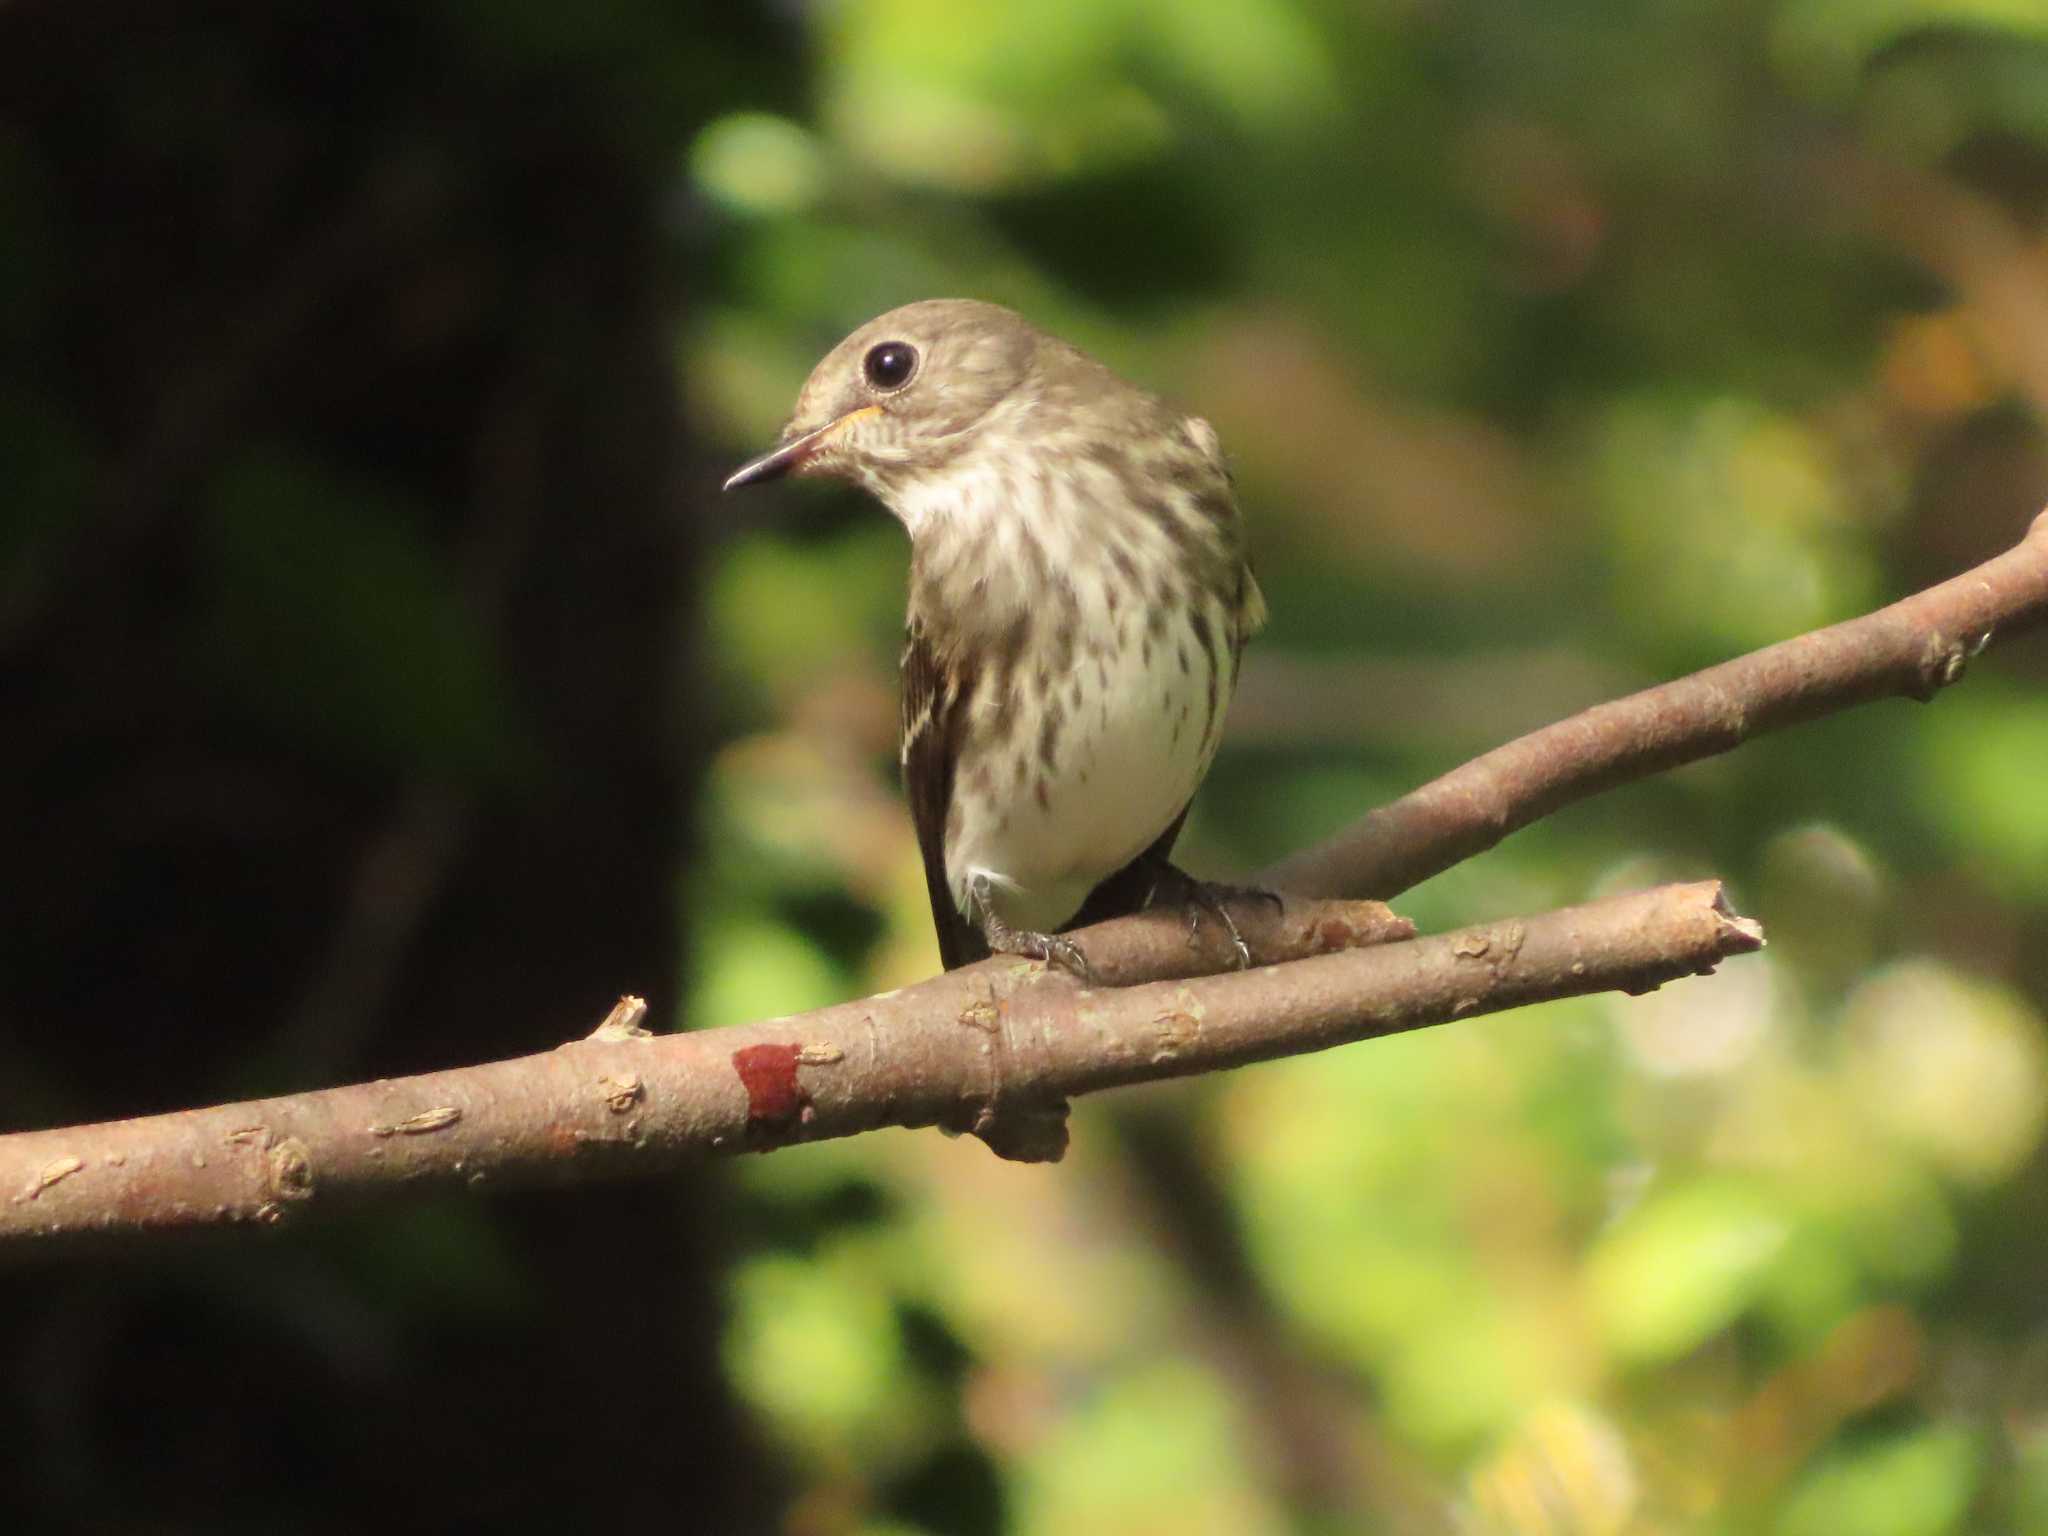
<point>1072,802</point>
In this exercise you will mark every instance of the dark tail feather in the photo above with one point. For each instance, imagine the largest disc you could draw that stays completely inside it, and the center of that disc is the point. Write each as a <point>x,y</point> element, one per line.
<point>960,942</point>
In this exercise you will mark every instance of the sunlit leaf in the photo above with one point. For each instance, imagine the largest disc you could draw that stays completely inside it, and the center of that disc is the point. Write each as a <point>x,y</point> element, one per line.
<point>1916,1484</point>
<point>1155,1449</point>
<point>1959,1071</point>
<point>758,164</point>
<point>1684,1264</point>
<point>816,1347</point>
<point>1979,763</point>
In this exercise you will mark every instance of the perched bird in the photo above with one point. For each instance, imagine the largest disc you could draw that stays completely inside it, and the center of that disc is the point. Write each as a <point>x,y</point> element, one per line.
<point>1079,598</point>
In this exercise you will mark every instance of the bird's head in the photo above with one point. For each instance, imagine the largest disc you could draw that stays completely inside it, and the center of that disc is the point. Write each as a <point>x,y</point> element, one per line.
<point>901,397</point>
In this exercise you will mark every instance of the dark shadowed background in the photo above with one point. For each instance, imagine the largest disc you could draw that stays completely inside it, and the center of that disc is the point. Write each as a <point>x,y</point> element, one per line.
<point>384,686</point>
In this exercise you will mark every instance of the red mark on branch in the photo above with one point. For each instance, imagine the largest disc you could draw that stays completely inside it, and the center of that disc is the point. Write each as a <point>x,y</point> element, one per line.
<point>768,1072</point>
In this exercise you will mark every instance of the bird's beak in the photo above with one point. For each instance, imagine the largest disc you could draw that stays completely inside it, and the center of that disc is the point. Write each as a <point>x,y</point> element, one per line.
<point>795,453</point>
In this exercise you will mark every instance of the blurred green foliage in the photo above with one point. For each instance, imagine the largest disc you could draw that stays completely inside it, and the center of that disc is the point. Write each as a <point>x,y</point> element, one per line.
<point>1621,336</point>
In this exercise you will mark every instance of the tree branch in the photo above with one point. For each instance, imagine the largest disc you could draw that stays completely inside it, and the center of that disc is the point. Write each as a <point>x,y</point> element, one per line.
<point>997,1048</point>
<point>1000,1043</point>
<point>1913,649</point>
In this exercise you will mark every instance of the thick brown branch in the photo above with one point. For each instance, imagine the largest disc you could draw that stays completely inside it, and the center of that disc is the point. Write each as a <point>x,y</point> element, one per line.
<point>1913,648</point>
<point>992,1044</point>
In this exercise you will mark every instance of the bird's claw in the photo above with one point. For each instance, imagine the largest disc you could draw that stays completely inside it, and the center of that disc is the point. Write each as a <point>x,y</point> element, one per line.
<point>1067,954</point>
<point>1211,897</point>
<point>1200,901</point>
<point>1052,948</point>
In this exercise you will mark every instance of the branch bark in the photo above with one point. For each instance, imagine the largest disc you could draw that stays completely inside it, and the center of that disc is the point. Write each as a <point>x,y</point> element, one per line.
<point>1912,649</point>
<point>996,1049</point>
<point>996,1044</point>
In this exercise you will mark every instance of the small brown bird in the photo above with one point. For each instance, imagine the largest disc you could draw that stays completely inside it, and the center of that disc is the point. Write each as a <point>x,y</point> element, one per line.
<point>1079,598</point>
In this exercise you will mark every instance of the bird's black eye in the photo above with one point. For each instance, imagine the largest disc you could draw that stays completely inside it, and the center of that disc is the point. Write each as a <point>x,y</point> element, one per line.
<point>890,365</point>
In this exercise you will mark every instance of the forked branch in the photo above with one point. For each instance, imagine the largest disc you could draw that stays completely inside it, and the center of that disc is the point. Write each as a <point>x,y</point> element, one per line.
<point>996,1049</point>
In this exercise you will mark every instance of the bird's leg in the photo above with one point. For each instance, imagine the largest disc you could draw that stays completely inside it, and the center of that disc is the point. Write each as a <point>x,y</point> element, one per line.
<point>1005,940</point>
<point>1172,883</point>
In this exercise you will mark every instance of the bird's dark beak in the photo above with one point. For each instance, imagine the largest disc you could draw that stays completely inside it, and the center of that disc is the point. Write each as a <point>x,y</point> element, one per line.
<point>794,454</point>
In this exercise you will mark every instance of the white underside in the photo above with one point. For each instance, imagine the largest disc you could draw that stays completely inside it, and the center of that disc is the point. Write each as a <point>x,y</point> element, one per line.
<point>1130,756</point>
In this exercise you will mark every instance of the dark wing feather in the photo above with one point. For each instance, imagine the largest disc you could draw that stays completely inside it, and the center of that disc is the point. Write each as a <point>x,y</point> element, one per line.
<point>934,713</point>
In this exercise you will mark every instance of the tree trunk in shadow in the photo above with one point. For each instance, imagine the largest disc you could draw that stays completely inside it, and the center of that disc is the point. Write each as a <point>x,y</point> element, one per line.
<point>346,629</point>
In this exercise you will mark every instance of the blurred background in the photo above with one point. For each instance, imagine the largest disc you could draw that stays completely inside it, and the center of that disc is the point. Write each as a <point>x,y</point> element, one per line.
<point>384,686</point>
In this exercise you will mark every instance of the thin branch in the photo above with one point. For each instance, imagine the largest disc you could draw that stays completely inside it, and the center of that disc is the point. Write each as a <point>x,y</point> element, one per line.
<point>997,1044</point>
<point>1912,649</point>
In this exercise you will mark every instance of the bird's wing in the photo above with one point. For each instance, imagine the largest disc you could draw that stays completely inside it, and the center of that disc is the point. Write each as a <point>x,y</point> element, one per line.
<point>934,712</point>
<point>1248,603</point>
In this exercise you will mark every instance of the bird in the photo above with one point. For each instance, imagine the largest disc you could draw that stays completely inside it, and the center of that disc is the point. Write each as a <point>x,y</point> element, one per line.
<point>1080,595</point>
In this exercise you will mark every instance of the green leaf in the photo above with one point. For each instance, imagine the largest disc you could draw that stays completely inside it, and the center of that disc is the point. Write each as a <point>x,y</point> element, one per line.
<point>1155,1449</point>
<point>1979,759</point>
<point>1823,44</point>
<point>1684,1264</point>
<point>1917,1484</point>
